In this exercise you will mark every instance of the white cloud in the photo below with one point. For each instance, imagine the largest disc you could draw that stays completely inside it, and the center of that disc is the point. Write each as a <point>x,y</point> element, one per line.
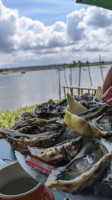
<point>100,18</point>
<point>74,31</point>
<point>27,41</point>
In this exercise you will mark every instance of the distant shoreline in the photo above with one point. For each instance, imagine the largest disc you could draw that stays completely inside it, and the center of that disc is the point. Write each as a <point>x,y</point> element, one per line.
<point>26,69</point>
<point>22,71</point>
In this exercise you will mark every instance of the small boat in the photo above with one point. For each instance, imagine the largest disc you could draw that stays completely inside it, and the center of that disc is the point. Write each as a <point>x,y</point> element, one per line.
<point>23,72</point>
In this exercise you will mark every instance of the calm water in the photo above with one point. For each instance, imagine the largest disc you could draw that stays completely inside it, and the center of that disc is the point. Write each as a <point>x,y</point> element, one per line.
<point>19,90</point>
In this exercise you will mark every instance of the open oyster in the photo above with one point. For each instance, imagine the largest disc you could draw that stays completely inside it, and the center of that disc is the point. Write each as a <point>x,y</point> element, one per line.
<point>35,129</point>
<point>93,112</point>
<point>101,118</point>
<point>87,166</point>
<point>31,124</point>
<point>34,120</point>
<point>51,109</point>
<point>88,100</point>
<point>59,154</point>
<point>20,141</point>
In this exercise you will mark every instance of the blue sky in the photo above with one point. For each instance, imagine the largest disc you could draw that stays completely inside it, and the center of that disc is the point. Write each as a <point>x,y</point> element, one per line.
<point>47,11</point>
<point>40,32</point>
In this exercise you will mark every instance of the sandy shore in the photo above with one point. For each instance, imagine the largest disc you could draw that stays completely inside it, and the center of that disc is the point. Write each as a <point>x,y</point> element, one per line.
<point>18,71</point>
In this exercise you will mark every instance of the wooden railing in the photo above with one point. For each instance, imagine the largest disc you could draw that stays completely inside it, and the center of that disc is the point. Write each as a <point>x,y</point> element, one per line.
<point>80,89</point>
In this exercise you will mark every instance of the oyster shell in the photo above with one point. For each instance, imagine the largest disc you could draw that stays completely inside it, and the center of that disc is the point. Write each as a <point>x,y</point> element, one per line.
<point>88,100</point>
<point>102,119</point>
<point>59,154</point>
<point>97,112</point>
<point>40,129</point>
<point>84,169</point>
<point>34,120</point>
<point>51,109</point>
<point>20,141</point>
<point>92,112</point>
<point>18,125</point>
<point>31,124</point>
<point>28,115</point>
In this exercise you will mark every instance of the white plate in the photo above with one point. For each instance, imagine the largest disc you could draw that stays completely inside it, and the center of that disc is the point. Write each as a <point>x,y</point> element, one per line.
<point>5,163</point>
<point>41,178</point>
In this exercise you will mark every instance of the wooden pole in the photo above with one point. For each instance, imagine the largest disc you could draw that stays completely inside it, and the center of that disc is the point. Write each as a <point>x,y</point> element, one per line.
<point>70,74</point>
<point>79,79</point>
<point>101,68</point>
<point>59,81</point>
<point>90,75</point>
<point>65,77</point>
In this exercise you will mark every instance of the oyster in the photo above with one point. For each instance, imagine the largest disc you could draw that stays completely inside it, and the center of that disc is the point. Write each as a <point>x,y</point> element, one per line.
<point>40,129</point>
<point>92,112</point>
<point>101,119</point>
<point>61,153</point>
<point>31,129</point>
<point>35,120</point>
<point>28,115</point>
<point>87,166</point>
<point>20,142</point>
<point>88,100</point>
<point>51,109</point>
<point>31,124</point>
<point>97,111</point>
<point>18,125</point>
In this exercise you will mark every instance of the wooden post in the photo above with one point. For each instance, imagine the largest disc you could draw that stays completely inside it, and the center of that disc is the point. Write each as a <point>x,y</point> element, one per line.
<point>65,76</point>
<point>94,92</point>
<point>71,91</point>
<point>64,92</point>
<point>79,75</point>
<point>88,90</point>
<point>81,91</point>
<point>78,91</point>
<point>59,84</point>
<point>101,68</point>
<point>90,75</point>
<point>70,74</point>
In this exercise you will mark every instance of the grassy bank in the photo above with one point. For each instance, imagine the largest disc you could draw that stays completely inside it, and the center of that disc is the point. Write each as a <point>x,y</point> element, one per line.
<point>8,118</point>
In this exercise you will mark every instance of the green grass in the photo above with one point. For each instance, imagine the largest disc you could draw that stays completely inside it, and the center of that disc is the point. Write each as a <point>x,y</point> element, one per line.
<point>8,118</point>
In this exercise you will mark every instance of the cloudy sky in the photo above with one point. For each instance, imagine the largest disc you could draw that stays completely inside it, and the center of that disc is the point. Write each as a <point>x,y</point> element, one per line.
<point>40,32</point>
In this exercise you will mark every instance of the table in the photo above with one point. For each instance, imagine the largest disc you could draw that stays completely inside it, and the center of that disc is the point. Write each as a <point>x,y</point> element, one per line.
<point>5,150</point>
<point>7,153</point>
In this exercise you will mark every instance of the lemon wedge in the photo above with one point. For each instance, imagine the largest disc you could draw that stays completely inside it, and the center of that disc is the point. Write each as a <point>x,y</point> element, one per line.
<point>98,94</point>
<point>74,106</point>
<point>78,125</point>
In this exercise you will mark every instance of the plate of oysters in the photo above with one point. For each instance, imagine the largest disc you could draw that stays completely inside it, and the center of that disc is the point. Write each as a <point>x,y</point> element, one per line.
<point>74,135</point>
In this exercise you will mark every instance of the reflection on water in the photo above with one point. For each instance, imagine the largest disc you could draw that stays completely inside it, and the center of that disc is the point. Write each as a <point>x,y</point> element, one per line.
<point>19,90</point>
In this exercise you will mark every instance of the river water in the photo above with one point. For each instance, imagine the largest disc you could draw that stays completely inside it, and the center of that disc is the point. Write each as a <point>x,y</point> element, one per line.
<point>19,90</point>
